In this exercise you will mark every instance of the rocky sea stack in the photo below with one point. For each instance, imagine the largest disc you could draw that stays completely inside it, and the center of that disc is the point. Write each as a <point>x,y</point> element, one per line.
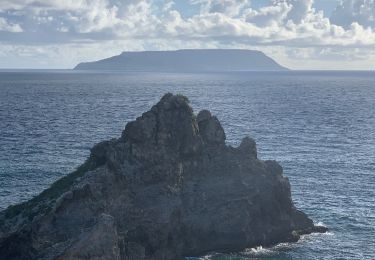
<point>168,188</point>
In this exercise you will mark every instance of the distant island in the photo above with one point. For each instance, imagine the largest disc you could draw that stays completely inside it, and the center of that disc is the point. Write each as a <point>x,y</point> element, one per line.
<point>194,60</point>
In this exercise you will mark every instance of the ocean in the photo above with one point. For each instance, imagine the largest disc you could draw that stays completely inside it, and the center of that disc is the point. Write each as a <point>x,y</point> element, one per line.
<point>320,126</point>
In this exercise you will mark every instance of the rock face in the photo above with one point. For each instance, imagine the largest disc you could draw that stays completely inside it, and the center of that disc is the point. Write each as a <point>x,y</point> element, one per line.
<point>168,188</point>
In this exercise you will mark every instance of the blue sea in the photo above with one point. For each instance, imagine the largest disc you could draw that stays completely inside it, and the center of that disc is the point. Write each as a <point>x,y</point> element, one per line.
<point>319,125</point>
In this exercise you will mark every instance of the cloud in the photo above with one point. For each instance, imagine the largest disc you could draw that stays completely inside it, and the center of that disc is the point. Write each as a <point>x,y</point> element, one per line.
<point>299,10</point>
<point>290,23</point>
<point>227,7</point>
<point>294,27</point>
<point>9,27</point>
<point>269,15</point>
<point>83,16</point>
<point>354,11</point>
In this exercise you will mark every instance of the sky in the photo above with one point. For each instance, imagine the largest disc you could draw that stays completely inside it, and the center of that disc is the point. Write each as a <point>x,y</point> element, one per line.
<point>299,34</point>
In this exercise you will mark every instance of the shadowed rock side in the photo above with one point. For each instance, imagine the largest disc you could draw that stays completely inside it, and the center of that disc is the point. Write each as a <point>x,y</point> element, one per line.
<point>169,187</point>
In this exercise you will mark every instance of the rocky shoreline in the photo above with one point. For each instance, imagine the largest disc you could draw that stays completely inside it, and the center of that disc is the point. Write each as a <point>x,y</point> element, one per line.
<point>168,188</point>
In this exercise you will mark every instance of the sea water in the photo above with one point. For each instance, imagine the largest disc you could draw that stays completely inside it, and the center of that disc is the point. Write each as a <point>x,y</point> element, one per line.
<point>319,125</point>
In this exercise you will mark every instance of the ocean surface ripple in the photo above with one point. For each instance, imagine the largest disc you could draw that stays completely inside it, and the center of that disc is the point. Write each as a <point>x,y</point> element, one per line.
<point>319,125</point>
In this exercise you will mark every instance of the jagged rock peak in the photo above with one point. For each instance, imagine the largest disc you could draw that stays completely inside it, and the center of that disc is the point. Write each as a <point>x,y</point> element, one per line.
<point>248,146</point>
<point>172,124</point>
<point>210,128</point>
<point>171,114</point>
<point>169,128</point>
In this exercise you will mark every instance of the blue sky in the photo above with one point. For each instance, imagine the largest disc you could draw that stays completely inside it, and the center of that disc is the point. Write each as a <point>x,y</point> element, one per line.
<point>299,34</point>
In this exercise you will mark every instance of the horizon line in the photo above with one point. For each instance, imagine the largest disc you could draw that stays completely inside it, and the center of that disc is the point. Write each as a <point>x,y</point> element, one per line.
<point>72,69</point>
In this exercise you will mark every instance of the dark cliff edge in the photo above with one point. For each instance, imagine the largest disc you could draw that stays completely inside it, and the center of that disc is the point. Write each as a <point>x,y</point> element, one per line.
<point>194,60</point>
<point>168,188</point>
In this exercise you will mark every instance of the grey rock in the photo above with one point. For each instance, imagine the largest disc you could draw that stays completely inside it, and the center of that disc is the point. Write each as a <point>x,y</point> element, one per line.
<point>99,242</point>
<point>248,147</point>
<point>210,128</point>
<point>168,188</point>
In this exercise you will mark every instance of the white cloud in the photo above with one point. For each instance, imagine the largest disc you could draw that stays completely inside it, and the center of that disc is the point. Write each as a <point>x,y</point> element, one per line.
<point>45,4</point>
<point>269,15</point>
<point>299,10</point>
<point>84,16</point>
<point>227,7</point>
<point>351,11</point>
<point>9,27</point>
<point>290,23</point>
<point>293,27</point>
